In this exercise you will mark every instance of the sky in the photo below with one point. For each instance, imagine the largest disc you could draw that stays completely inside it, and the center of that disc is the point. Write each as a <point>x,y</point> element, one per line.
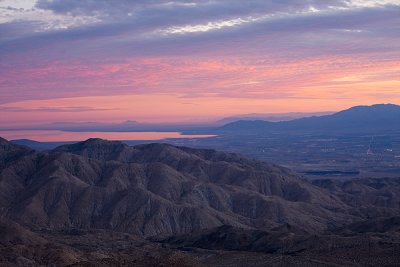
<point>193,61</point>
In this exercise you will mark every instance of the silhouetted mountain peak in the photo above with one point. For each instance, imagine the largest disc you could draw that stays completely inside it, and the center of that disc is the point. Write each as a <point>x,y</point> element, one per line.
<point>10,152</point>
<point>148,153</point>
<point>100,149</point>
<point>247,124</point>
<point>4,142</point>
<point>377,109</point>
<point>6,145</point>
<point>367,119</point>
<point>91,144</point>
<point>99,142</point>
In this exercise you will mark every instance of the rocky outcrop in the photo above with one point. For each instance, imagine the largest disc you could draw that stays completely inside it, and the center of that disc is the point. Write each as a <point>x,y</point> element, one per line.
<point>159,189</point>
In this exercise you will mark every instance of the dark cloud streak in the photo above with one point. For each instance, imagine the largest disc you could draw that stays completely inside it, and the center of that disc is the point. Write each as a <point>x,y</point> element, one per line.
<point>52,109</point>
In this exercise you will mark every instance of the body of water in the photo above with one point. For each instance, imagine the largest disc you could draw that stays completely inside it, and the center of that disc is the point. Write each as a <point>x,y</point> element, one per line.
<point>61,136</point>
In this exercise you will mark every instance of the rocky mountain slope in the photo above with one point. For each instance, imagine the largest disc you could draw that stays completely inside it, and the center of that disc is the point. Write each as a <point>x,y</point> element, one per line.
<point>157,189</point>
<point>101,191</point>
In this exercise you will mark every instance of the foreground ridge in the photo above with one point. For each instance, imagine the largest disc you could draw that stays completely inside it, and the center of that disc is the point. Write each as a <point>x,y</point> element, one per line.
<point>180,197</point>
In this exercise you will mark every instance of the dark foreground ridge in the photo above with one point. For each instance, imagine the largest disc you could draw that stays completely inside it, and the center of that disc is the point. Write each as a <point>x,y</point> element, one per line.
<point>105,203</point>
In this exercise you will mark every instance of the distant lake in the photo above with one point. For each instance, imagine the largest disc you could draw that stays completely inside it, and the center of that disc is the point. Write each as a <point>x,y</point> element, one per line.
<point>61,136</point>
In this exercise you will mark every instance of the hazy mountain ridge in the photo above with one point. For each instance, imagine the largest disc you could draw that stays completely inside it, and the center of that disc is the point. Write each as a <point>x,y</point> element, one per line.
<point>366,119</point>
<point>272,117</point>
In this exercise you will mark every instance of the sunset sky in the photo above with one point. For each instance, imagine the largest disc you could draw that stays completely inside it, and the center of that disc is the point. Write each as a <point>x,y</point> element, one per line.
<point>193,61</point>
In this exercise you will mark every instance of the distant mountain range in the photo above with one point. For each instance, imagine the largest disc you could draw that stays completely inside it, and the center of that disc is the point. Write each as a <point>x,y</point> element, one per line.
<point>272,117</point>
<point>378,118</point>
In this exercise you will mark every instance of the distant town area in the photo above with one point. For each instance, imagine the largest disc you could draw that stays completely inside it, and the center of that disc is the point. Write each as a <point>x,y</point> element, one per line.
<point>316,156</point>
